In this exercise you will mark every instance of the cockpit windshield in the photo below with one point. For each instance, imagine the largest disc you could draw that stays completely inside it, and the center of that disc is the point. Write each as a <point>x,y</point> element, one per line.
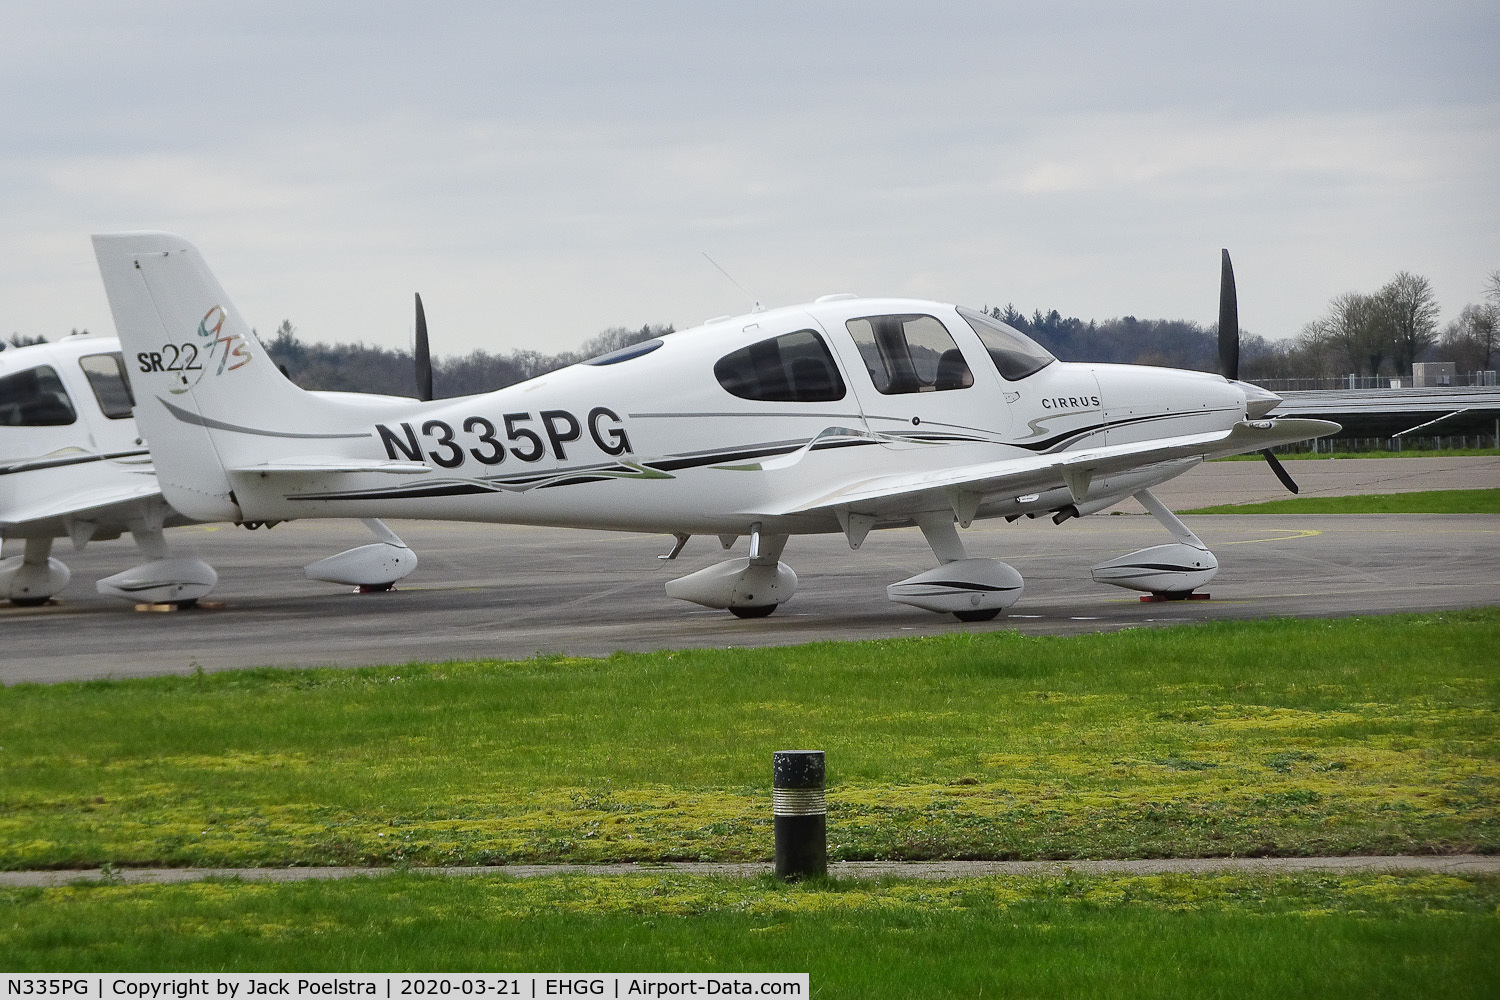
<point>1015,355</point>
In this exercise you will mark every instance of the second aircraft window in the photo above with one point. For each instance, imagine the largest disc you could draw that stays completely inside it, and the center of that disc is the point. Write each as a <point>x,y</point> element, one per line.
<point>106,375</point>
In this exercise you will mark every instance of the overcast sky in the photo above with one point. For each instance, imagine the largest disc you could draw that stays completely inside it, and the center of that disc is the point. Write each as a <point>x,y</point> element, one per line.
<point>542,171</point>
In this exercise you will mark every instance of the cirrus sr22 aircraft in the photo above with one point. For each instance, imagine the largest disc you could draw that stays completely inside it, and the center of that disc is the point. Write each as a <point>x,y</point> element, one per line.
<point>844,415</point>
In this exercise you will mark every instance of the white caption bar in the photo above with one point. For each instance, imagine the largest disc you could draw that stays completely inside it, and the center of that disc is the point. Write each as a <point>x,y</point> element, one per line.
<point>240,986</point>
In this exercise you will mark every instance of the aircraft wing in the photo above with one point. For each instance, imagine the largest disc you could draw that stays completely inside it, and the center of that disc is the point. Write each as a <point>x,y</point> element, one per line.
<point>83,503</point>
<point>905,493</point>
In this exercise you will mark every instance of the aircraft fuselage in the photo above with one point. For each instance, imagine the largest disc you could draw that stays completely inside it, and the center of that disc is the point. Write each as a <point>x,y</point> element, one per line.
<point>668,440</point>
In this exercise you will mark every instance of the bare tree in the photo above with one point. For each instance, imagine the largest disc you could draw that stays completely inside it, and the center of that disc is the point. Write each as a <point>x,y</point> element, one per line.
<point>1473,339</point>
<point>1356,326</point>
<point>1410,310</point>
<point>1313,353</point>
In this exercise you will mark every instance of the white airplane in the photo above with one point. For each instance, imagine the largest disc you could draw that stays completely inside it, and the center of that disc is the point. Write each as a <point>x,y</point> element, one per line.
<point>843,415</point>
<point>73,465</point>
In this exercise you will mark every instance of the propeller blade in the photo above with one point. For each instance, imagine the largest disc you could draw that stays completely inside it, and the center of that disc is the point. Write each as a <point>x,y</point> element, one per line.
<point>1229,322</point>
<point>1280,470</point>
<point>424,359</point>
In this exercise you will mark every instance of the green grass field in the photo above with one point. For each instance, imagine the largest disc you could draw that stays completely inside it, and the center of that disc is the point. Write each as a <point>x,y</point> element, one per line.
<point>1428,502</point>
<point>1373,735</point>
<point>1139,936</point>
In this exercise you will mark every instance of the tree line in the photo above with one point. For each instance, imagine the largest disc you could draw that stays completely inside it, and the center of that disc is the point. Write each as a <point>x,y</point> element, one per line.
<point>1385,331</point>
<point>1375,333</point>
<point>361,368</point>
<point>1169,343</point>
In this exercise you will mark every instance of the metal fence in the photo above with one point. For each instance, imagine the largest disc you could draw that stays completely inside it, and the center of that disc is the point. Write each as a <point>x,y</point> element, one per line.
<point>1399,445</point>
<point>1485,378</point>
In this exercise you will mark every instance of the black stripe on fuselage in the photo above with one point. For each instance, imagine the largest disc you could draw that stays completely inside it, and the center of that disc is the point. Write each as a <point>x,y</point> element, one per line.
<point>1058,441</point>
<point>449,489</point>
<point>58,463</point>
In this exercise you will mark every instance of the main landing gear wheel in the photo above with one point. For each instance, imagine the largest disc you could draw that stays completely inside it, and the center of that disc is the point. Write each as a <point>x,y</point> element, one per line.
<point>29,602</point>
<point>754,611</point>
<point>981,615</point>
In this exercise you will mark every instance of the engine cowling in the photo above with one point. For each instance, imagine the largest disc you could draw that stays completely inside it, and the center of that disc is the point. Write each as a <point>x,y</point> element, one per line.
<point>1174,568</point>
<point>961,586</point>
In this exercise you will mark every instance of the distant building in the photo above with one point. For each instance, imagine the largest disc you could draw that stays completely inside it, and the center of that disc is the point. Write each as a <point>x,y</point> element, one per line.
<point>1432,374</point>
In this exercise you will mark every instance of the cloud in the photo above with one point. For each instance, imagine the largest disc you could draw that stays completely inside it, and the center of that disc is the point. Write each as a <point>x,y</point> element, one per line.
<point>540,174</point>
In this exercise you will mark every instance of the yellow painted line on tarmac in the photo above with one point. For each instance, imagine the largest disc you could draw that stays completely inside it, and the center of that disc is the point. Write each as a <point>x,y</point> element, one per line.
<point>1293,533</point>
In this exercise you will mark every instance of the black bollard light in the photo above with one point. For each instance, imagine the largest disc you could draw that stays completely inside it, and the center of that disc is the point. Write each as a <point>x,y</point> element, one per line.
<point>801,811</point>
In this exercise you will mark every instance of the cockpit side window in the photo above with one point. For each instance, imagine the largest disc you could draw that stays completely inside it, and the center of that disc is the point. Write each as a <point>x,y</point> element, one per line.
<point>793,368</point>
<point>1015,355</point>
<point>910,353</point>
<point>35,398</point>
<point>106,375</point>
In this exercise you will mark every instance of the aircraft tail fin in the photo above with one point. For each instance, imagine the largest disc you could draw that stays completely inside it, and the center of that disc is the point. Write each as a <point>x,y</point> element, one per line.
<point>208,397</point>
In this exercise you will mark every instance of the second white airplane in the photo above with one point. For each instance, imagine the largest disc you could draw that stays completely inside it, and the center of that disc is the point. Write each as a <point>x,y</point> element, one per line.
<point>73,465</point>
<point>843,415</point>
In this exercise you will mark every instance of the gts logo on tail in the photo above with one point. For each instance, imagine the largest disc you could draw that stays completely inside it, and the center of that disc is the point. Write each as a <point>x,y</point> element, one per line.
<point>183,358</point>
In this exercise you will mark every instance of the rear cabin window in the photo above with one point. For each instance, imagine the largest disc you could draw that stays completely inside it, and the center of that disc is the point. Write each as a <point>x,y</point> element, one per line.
<point>34,398</point>
<point>793,368</point>
<point>106,375</point>
<point>910,353</point>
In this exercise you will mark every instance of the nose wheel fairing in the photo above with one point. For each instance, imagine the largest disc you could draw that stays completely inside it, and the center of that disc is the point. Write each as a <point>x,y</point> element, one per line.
<point>1171,571</point>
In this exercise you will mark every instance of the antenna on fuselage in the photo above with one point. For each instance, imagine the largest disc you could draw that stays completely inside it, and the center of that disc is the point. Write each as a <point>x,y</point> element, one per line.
<point>755,303</point>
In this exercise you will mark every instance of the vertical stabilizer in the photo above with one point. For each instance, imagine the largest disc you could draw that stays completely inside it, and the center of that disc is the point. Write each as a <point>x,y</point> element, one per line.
<point>207,396</point>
